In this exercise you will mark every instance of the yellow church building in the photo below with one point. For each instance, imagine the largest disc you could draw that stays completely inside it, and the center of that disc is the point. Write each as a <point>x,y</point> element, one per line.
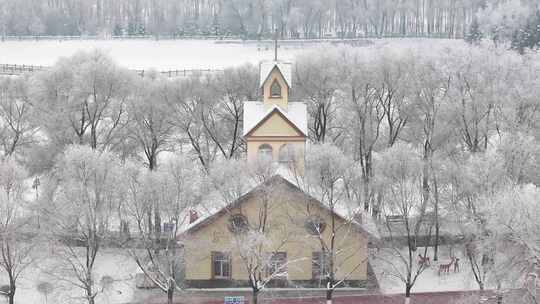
<point>218,250</point>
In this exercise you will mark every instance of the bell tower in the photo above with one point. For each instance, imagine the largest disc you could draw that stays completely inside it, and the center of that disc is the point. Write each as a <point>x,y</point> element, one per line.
<point>275,83</point>
<point>275,129</point>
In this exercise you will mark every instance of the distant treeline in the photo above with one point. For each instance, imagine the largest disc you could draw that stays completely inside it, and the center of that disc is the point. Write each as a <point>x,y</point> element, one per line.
<point>247,19</point>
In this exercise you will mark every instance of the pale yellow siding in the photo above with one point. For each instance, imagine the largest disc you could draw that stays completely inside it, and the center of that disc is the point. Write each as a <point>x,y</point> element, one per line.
<point>275,125</point>
<point>286,217</point>
<point>268,100</point>
<point>276,132</point>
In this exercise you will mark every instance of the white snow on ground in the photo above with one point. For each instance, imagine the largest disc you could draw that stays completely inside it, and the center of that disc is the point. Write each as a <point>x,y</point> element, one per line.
<point>429,280</point>
<point>111,262</point>
<point>116,264</point>
<point>144,54</point>
<point>176,54</point>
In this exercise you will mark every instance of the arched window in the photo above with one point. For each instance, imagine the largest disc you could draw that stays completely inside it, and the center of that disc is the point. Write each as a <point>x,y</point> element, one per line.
<point>275,89</point>
<point>265,152</point>
<point>286,153</point>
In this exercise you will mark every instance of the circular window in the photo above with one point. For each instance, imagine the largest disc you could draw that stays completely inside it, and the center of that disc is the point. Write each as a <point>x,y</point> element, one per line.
<point>315,225</point>
<point>238,223</point>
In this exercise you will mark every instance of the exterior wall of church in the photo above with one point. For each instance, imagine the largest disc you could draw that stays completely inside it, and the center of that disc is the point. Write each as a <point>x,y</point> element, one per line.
<point>268,99</point>
<point>276,132</point>
<point>277,143</point>
<point>287,215</point>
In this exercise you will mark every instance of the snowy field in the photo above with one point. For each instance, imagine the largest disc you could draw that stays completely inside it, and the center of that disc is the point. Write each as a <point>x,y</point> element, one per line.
<point>173,54</point>
<point>144,54</point>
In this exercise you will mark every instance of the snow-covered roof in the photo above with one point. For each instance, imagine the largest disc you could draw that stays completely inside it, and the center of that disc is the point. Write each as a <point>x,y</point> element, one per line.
<point>266,67</point>
<point>365,226</point>
<point>254,113</point>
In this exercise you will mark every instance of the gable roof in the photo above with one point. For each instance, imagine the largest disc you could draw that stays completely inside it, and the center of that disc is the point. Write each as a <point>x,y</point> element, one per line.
<point>255,115</point>
<point>275,180</point>
<point>284,68</point>
<point>276,111</point>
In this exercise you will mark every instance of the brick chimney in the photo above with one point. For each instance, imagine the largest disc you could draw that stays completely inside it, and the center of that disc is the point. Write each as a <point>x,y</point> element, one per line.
<point>193,216</point>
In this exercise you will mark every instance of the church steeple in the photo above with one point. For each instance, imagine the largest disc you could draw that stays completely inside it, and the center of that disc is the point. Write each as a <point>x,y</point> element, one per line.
<point>276,129</point>
<point>275,83</point>
<point>275,46</point>
<point>275,80</point>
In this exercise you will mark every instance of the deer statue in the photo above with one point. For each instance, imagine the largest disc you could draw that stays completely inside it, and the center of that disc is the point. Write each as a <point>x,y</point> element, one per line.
<point>456,265</point>
<point>423,261</point>
<point>445,268</point>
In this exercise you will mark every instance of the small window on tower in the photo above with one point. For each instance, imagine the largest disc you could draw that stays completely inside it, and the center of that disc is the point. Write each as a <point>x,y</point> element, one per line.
<point>275,89</point>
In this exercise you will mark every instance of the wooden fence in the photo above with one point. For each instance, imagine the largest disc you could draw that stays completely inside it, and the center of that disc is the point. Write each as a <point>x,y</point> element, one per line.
<point>19,69</point>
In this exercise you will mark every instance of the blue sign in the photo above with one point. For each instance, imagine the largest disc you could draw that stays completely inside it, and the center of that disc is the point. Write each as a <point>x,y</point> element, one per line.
<point>234,300</point>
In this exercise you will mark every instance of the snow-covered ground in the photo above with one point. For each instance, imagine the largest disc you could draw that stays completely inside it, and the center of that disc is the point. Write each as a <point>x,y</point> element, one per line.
<point>175,54</point>
<point>110,262</point>
<point>429,280</point>
<point>121,268</point>
<point>144,54</point>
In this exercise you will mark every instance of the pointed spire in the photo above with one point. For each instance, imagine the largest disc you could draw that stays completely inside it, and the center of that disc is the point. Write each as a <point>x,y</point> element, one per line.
<point>275,44</point>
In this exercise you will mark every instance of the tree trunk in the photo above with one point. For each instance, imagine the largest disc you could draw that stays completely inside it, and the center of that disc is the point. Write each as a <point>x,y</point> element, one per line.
<point>255,296</point>
<point>436,194</point>
<point>425,186</point>
<point>12,287</point>
<point>170,295</point>
<point>11,296</point>
<point>407,294</point>
<point>329,293</point>
<point>152,160</point>
<point>366,194</point>
<point>89,294</point>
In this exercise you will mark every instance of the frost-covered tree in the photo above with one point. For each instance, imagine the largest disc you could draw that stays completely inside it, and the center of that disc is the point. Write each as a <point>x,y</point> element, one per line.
<point>400,174</point>
<point>326,179</point>
<point>176,189</point>
<point>82,100</point>
<point>229,179</point>
<point>364,97</point>
<point>431,128</point>
<point>17,125</point>
<point>474,96</point>
<point>16,246</point>
<point>513,226</point>
<point>474,34</point>
<point>500,19</point>
<point>224,120</point>
<point>316,81</point>
<point>471,180</point>
<point>208,112</point>
<point>528,37</point>
<point>151,125</point>
<point>81,195</point>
